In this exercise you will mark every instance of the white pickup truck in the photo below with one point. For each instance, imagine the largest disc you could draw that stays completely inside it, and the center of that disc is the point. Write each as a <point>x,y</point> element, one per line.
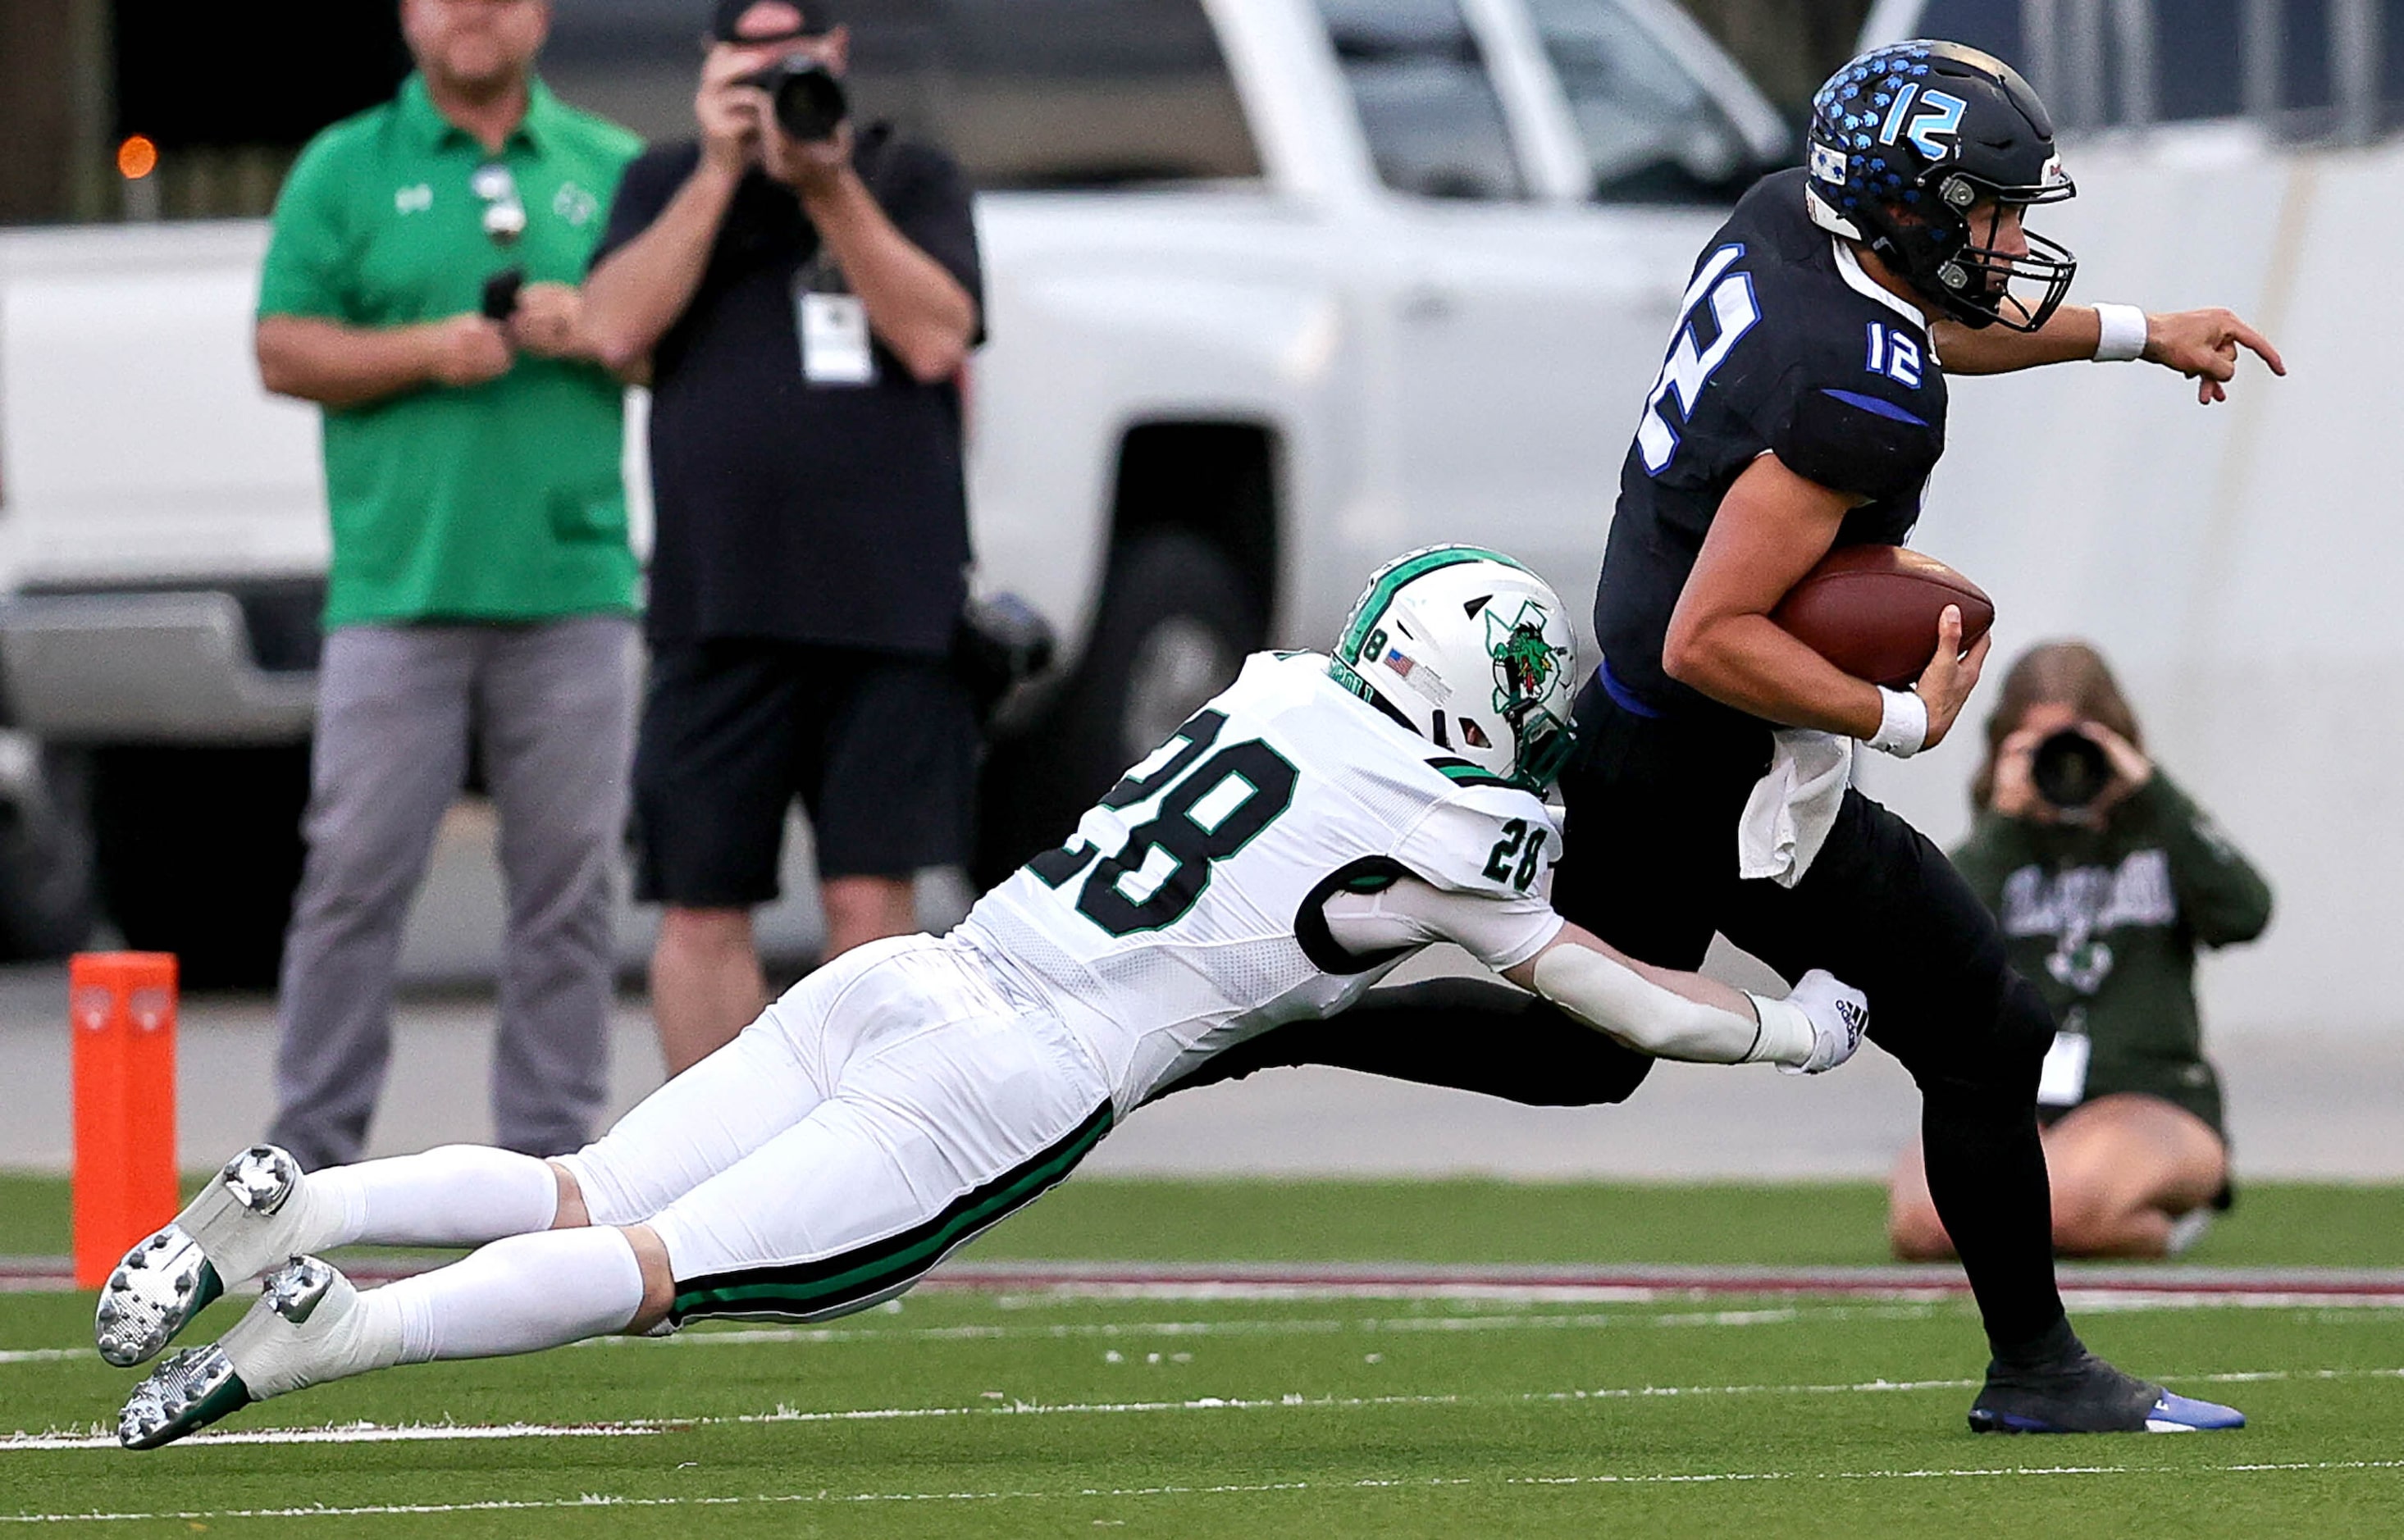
<point>1277,288</point>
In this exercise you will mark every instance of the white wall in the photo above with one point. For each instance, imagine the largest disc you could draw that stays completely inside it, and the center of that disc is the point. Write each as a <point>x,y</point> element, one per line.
<point>2240,566</point>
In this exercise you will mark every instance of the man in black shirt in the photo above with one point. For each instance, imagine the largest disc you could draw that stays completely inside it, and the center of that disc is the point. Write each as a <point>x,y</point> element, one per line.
<point>802,308</point>
<point>1801,407</point>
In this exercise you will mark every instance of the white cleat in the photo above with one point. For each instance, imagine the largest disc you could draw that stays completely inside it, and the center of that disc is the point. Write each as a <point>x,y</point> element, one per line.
<point>191,1390</point>
<point>254,1215</point>
<point>304,1329</point>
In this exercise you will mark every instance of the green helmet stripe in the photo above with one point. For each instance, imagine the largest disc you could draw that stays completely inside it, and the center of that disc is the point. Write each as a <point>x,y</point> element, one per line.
<point>1373,604</point>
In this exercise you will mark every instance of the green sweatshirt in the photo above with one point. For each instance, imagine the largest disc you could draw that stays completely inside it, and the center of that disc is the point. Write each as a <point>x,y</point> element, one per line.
<point>2105,923</point>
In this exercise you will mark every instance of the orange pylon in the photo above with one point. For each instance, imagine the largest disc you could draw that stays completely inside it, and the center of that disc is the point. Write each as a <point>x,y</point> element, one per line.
<point>122,1011</point>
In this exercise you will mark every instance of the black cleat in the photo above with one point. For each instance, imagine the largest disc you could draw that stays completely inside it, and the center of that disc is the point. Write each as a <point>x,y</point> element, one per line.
<point>2079,1392</point>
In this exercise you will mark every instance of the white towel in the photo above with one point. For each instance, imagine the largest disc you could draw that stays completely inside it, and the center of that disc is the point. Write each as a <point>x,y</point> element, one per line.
<point>1791,809</point>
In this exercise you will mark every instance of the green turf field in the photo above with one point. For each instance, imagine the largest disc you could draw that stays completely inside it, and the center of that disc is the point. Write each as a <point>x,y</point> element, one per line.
<point>1051,1414</point>
<point>2274,1225</point>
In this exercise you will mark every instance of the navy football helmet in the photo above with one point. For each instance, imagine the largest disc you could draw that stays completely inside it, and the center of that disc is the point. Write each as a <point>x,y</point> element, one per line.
<point>1907,142</point>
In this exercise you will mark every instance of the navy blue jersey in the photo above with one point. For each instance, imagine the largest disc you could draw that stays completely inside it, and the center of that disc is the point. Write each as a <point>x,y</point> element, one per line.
<point>1784,346</point>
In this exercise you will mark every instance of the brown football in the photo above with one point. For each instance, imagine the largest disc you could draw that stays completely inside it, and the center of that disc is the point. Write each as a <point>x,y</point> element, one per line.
<point>1872,610</point>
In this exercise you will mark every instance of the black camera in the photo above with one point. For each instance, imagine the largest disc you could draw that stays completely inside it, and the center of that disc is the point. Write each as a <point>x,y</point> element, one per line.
<point>2070,769</point>
<point>999,644</point>
<point>810,103</point>
<point>501,298</point>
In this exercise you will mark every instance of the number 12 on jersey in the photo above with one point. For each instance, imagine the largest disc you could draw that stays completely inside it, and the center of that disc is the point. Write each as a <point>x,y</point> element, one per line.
<point>1690,364</point>
<point>1895,356</point>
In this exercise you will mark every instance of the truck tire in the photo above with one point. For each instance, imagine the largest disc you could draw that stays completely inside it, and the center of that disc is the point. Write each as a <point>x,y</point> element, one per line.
<point>198,852</point>
<point>45,891</point>
<point>1176,621</point>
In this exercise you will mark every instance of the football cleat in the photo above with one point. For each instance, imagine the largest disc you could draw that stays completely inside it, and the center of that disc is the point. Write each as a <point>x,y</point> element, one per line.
<point>2088,1396</point>
<point>2176,1413</point>
<point>155,1291</point>
<point>299,1332</point>
<point>240,1225</point>
<point>2170,1413</point>
<point>188,1391</point>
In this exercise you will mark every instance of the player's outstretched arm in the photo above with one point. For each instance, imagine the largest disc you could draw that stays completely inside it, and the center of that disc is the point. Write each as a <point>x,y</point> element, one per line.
<point>1674,1015</point>
<point>2202,344</point>
<point>1657,1011</point>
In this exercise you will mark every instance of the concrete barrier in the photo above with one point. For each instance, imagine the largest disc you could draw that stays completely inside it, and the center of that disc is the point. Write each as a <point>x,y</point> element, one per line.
<point>2242,565</point>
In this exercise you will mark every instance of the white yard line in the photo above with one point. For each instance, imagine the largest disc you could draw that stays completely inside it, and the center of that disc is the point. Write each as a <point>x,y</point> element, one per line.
<point>1296,1327</point>
<point>358,1433</point>
<point>1104,1331</point>
<point>1213,1290</point>
<point>604,1500</point>
<point>372,1432</point>
<point>1324,1326</point>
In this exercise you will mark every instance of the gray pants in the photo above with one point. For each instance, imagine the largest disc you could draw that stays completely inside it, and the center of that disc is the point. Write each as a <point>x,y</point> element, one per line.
<point>553,704</point>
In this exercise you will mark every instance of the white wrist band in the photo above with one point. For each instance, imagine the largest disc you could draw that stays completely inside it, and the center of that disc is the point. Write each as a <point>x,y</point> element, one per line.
<point>1903,723</point>
<point>2122,337</point>
<point>1785,1037</point>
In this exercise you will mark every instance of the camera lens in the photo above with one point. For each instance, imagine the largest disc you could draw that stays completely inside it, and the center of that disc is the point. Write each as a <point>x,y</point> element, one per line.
<point>2070,769</point>
<point>810,103</point>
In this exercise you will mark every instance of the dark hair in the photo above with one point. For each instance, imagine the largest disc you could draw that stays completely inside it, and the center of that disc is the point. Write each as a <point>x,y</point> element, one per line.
<point>2071,674</point>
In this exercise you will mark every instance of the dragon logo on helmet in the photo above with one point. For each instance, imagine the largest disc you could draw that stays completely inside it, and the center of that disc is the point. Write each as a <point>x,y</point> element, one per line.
<point>1525,664</point>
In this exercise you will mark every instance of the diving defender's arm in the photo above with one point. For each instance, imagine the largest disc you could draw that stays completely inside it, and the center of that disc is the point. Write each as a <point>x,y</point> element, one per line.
<point>1659,1012</point>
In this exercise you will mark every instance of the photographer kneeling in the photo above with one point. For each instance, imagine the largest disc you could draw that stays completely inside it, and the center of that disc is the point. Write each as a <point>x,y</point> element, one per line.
<point>2106,879</point>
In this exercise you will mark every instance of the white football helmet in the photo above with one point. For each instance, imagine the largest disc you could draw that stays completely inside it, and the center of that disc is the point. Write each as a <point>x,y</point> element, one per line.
<point>1472,652</point>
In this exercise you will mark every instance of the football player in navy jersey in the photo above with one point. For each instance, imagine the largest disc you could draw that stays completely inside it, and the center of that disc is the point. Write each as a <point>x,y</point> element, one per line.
<point>1801,407</point>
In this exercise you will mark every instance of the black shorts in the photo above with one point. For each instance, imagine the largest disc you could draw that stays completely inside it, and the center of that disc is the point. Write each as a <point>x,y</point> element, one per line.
<point>880,748</point>
<point>2192,1086</point>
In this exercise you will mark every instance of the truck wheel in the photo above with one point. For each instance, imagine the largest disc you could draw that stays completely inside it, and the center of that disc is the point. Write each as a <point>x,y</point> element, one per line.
<point>198,852</point>
<point>1176,621</point>
<point>45,900</point>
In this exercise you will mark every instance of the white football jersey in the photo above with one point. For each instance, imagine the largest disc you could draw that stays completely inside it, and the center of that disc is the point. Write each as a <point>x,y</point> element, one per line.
<point>1184,915</point>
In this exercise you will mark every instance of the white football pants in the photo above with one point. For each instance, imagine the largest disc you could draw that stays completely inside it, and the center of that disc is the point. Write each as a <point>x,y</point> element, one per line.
<point>891,1106</point>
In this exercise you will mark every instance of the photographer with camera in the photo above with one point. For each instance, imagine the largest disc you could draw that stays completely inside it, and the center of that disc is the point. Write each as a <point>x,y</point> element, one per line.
<point>2105,878</point>
<point>802,294</point>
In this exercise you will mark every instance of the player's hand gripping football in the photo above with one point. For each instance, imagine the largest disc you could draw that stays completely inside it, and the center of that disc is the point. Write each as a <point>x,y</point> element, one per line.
<point>2203,345</point>
<point>1945,685</point>
<point>1838,1014</point>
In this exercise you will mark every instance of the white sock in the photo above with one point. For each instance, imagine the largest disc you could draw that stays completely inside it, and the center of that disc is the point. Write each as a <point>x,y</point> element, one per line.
<point>275,1356</point>
<point>518,1295</point>
<point>458,1195</point>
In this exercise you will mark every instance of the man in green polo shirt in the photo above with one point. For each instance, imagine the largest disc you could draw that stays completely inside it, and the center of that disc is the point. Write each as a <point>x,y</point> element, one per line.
<point>420,288</point>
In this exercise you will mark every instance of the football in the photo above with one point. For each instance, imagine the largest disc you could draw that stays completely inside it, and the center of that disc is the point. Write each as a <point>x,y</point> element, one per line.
<point>1871,610</point>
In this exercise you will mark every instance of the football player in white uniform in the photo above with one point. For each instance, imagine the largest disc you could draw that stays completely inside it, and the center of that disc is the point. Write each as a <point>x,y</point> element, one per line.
<point>1318,822</point>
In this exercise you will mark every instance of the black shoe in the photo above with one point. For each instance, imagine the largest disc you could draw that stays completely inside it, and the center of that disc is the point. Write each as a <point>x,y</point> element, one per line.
<point>2073,1390</point>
